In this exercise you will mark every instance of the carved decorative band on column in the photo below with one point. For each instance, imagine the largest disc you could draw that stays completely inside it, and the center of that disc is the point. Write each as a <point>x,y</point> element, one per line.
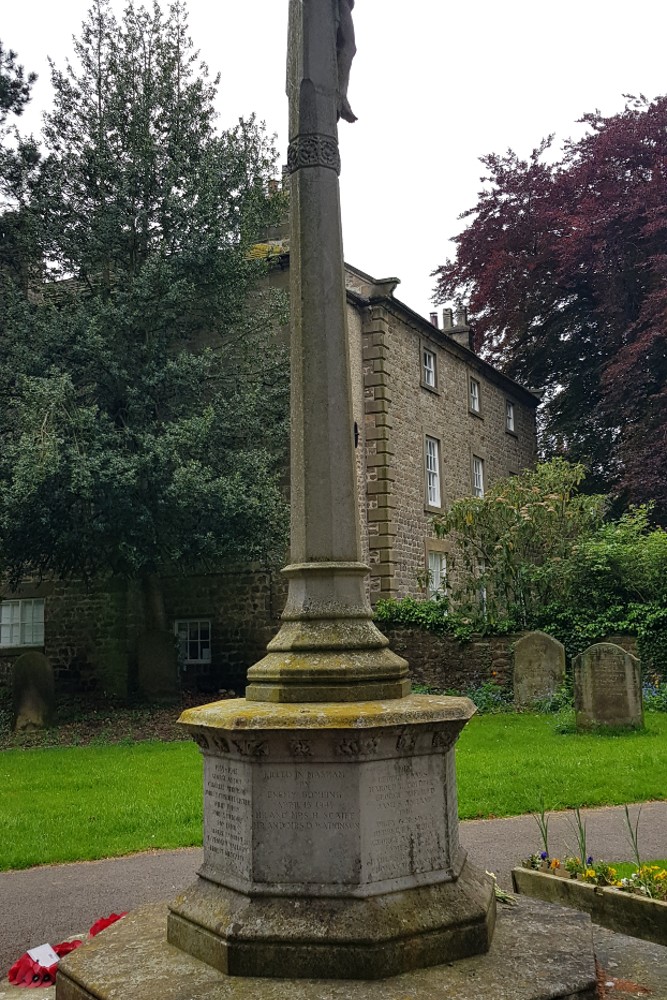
<point>313,151</point>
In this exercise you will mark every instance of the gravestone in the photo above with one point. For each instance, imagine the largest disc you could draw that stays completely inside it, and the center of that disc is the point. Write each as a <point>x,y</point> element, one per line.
<point>539,668</point>
<point>607,687</point>
<point>33,693</point>
<point>157,666</point>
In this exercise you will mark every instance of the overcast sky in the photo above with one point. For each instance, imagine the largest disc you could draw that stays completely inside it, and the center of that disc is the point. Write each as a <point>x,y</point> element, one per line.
<point>435,84</point>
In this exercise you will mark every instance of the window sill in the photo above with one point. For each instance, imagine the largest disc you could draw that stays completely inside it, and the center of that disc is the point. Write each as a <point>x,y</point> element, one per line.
<point>17,650</point>
<point>430,388</point>
<point>512,434</point>
<point>475,413</point>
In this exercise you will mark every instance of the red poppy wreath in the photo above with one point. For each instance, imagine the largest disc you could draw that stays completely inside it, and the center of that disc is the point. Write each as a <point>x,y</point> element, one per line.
<point>28,970</point>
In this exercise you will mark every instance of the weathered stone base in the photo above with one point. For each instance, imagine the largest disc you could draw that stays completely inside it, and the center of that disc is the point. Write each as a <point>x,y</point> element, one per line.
<point>538,952</point>
<point>337,938</point>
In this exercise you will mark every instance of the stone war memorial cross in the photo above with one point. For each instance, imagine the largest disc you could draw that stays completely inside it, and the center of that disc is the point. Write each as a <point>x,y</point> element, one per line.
<point>331,846</point>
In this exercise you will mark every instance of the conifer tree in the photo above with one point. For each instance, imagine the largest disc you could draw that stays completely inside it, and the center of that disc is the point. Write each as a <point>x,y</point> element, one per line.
<point>145,381</point>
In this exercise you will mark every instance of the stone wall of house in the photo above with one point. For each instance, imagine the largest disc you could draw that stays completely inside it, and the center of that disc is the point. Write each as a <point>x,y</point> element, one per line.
<point>358,393</point>
<point>401,411</point>
<point>244,609</point>
<point>444,663</point>
<point>90,634</point>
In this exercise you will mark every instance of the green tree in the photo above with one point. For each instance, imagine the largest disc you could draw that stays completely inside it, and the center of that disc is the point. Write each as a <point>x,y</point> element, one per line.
<point>547,557</point>
<point>14,84</point>
<point>144,380</point>
<point>516,545</point>
<point>19,158</point>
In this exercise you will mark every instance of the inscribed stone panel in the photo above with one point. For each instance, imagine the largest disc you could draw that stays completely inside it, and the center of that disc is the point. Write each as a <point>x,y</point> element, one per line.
<point>306,823</point>
<point>227,816</point>
<point>405,817</point>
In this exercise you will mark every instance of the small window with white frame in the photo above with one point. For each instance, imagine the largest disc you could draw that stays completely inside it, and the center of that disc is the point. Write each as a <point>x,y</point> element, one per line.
<point>194,640</point>
<point>429,368</point>
<point>437,574</point>
<point>477,477</point>
<point>22,622</point>
<point>432,457</point>
<point>475,396</point>
<point>509,417</point>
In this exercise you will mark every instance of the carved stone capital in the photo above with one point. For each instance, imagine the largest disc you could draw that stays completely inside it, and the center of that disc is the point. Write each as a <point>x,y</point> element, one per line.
<point>313,151</point>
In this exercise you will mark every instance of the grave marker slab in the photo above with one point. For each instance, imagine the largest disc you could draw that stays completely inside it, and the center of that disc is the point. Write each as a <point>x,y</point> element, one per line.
<point>33,692</point>
<point>539,668</point>
<point>607,687</point>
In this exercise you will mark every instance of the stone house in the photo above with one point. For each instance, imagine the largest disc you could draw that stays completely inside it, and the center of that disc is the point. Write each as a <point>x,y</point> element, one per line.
<point>438,423</point>
<point>435,422</point>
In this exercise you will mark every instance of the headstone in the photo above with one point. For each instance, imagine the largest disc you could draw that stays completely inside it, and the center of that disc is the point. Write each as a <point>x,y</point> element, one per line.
<point>539,668</point>
<point>112,673</point>
<point>33,693</point>
<point>607,687</point>
<point>157,666</point>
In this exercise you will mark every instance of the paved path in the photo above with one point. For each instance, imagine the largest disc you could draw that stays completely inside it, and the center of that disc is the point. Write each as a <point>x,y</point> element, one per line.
<point>55,901</point>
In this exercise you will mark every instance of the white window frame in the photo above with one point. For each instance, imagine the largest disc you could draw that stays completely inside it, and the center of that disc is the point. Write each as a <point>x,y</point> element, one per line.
<point>22,622</point>
<point>182,624</point>
<point>509,417</point>
<point>429,368</point>
<point>432,466</point>
<point>478,477</point>
<point>437,573</point>
<point>475,395</point>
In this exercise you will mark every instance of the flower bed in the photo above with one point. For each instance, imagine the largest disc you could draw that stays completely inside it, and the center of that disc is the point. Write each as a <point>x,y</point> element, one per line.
<point>621,908</point>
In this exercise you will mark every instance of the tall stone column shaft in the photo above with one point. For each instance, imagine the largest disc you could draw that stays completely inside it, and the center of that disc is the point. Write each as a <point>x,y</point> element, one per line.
<point>328,648</point>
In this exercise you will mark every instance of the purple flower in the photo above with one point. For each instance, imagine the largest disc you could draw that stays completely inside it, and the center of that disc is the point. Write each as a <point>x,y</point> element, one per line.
<point>589,860</point>
<point>544,855</point>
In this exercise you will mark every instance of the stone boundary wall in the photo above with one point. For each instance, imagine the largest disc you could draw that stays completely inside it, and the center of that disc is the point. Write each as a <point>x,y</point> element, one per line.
<point>244,610</point>
<point>439,661</point>
<point>442,662</point>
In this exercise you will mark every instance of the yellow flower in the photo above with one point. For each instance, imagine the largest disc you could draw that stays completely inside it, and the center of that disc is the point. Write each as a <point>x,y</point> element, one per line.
<point>590,873</point>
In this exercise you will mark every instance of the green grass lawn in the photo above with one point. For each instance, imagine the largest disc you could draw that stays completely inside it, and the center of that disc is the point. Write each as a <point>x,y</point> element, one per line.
<point>79,803</point>
<point>510,764</point>
<point>625,868</point>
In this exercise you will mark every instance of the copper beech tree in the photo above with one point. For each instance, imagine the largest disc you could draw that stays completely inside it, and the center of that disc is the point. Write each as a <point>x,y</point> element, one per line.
<point>564,267</point>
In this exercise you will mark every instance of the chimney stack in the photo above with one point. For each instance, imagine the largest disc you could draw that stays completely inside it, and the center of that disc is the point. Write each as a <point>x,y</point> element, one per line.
<point>434,320</point>
<point>455,323</point>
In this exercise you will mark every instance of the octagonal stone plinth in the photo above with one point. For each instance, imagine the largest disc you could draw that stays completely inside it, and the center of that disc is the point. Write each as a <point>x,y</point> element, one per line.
<point>331,841</point>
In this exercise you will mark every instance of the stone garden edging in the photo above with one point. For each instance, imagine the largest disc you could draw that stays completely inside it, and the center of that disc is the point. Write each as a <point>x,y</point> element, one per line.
<point>623,912</point>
